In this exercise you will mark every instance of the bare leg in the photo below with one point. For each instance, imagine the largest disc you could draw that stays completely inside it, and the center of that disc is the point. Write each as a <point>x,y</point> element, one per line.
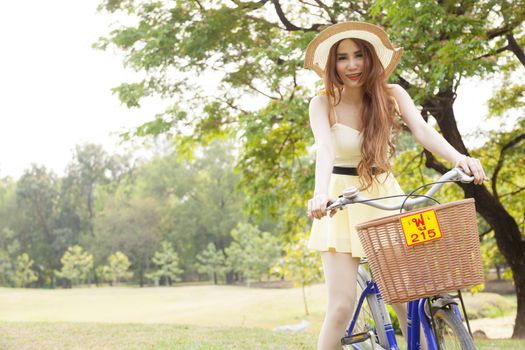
<point>340,271</point>
<point>401,312</point>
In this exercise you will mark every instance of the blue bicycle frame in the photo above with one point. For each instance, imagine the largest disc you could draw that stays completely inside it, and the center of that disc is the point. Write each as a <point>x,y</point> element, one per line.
<point>416,318</point>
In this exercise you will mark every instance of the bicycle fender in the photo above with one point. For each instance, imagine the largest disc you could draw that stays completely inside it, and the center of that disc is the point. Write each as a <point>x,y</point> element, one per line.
<point>442,303</point>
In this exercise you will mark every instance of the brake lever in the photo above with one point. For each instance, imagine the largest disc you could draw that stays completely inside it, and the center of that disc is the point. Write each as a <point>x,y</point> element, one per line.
<point>339,203</point>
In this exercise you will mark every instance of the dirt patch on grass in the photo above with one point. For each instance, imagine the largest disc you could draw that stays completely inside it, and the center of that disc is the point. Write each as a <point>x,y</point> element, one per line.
<point>494,328</point>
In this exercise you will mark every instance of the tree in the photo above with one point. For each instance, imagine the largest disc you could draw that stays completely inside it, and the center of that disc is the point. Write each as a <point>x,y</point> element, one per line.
<point>167,262</point>
<point>36,198</point>
<point>301,264</point>
<point>23,273</point>
<point>9,249</point>
<point>433,72</point>
<point>117,268</point>
<point>76,264</point>
<point>199,196</point>
<point>91,166</point>
<point>261,54</point>
<point>131,226</point>
<point>252,252</point>
<point>212,262</point>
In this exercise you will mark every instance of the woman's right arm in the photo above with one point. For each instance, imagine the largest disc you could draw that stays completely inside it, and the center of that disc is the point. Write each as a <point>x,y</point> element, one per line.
<point>325,155</point>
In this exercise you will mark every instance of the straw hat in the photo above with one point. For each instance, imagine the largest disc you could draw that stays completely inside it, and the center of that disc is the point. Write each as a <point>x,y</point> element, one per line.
<point>318,49</point>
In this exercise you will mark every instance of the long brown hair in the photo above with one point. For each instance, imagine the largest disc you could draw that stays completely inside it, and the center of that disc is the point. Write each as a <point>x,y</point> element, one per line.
<point>378,115</point>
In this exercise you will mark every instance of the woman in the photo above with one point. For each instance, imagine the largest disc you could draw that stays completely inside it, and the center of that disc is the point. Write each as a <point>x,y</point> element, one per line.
<point>352,121</point>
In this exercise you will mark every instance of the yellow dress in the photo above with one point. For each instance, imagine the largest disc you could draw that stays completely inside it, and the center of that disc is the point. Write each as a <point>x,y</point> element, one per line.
<point>338,233</point>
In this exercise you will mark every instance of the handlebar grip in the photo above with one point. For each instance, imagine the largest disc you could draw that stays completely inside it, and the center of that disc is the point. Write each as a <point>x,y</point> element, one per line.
<point>463,177</point>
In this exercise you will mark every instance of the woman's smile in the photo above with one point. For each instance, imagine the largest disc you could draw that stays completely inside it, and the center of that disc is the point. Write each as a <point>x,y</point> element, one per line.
<point>354,77</point>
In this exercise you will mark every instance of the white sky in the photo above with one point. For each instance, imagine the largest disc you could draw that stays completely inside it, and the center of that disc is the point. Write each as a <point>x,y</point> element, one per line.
<point>55,89</point>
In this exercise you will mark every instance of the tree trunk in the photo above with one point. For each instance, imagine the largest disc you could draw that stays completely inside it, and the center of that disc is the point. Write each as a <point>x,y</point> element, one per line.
<point>508,239</point>
<point>506,230</point>
<point>141,276</point>
<point>96,278</point>
<point>304,300</point>
<point>230,277</point>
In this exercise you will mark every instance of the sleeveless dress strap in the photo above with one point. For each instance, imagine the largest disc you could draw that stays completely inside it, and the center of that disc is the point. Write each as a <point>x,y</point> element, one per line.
<point>335,115</point>
<point>396,106</point>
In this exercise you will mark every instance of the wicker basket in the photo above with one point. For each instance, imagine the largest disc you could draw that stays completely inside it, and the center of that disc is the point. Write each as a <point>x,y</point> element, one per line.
<point>425,269</point>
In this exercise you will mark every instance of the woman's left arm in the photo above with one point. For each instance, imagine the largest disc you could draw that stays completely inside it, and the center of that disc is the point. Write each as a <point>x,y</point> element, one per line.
<point>429,138</point>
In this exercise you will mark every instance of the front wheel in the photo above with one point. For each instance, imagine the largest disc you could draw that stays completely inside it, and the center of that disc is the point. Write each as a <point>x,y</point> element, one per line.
<point>451,334</point>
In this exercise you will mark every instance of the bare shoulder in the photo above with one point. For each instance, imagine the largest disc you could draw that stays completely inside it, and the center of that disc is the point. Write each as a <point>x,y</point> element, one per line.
<point>396,90</point>
<point>319,105</point>
<point>318,111</point>
<point>319,100</point>
<point>393,87</point>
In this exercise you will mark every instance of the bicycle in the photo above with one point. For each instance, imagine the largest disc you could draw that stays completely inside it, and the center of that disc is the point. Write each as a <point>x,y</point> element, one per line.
<point>438,315</point>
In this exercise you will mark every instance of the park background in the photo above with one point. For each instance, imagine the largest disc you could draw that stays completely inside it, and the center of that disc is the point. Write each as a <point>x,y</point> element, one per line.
<point>205,180</point>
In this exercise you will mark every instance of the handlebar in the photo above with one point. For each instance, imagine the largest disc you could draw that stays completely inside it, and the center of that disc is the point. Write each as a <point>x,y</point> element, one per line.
<point>351,195</point>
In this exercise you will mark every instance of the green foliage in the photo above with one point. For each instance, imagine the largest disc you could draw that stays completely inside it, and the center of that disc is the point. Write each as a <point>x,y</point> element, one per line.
<point>212,262</point>
<point>492,257</point>
<point>24,274</point>
<point>90,167</point>
<point>36,200</point>
<point>394,319</point>
<point>167,262</point>
<point>444,42</point>
<point>410,170</point>
<point>503,155</point>
<point>9,250</point>
<point>441,41</point>
<point>192,197</point>
<point>509,97</point>
<point>106,204</point>
<point>131,227</point>
<point>76,264</point>
<point>199,197</point>
<point>8,202</point>
<point>116,270</point>
<point>252,252</point>
<point>299,263</point>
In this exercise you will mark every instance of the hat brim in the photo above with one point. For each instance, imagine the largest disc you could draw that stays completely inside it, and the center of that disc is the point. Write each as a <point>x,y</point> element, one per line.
<point>318,49</point>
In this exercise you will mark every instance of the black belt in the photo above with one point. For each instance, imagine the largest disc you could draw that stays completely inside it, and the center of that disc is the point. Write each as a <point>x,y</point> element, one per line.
<point>344,171</point>
<point>351,171</point>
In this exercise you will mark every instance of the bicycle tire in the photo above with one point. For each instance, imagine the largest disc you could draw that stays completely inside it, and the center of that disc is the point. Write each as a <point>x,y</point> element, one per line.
<point>451,333</point>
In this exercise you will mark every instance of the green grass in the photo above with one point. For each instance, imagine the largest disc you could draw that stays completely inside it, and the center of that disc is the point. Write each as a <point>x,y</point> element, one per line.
<point>494,344</point>
<point>215,306</point>
<point>187,317</point>
<point>500,344</point>
<point>98,336</point>
<point>53,336</point>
